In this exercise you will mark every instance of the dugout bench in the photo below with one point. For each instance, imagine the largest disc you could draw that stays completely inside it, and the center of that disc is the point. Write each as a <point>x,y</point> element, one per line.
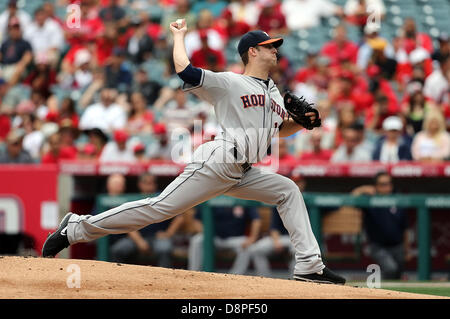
<point>315,203</point>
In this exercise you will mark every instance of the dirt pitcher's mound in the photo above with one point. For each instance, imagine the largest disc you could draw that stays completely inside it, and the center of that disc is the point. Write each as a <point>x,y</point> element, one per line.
<point>22,277</point>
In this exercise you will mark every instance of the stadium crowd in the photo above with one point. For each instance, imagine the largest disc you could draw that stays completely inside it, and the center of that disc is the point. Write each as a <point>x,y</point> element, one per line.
<point>102,86</point>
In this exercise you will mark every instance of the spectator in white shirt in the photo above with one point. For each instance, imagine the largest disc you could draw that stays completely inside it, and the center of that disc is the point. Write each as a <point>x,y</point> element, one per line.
<point>437,83</point>
<point>303,14</point>
<point>106,115</point>
<point>118,150</point>
<point>352,148</point>
<point>45,35</point>
<point>12,10</point>
<point>245,11</point>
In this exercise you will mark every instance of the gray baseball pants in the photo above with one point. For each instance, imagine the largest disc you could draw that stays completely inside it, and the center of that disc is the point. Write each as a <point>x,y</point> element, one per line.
<point>213,172</point>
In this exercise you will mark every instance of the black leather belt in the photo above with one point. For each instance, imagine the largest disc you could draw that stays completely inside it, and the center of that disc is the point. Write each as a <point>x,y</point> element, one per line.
<point>245,166</point>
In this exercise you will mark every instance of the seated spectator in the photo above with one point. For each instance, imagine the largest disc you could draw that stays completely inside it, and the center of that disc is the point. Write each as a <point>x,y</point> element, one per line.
<point>140,44</point>
<point>276,242</point>
<point>317,153</point>
<point>42,77</point>
<point>216,7</point>
<point>97,141</point>
<point>228,27</point>
<point>106,114</point>
<point>56,151</point>
<point>245,11</point>
<point>15,53</point>
<point>114,13</point>
<point>117,74</point>
<point>379,111</point>
<point>443,50</point>
<point>34,137</point>
<point>14,152</point>
<point>340,48</point>
<point>437,84</point>
<point>206,57</point>
<point>230,225</point>
<point>155,239</point>
<point>386,229</point>
<point>45,35</point>
<point>118,150</point>
<point>66,113</point>
<point>392,147</point>
<point>432,144</point>
<point>205,23</point>
<point>139,153</point>
<point>12,11</point>
<point>271,19</point>
<point>358,11</point>
<point>182,9</point>
<point>414,110</point>
<point>351,149</point>
<point>410,38</point>
<point>140,120</point>
<point>162,148</point>
<point>179,112</point>
<point>304,14</point>
<point>148,87</point>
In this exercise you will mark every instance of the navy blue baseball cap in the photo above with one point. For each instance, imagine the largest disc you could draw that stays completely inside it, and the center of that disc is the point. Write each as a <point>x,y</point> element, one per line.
<point>254,38</point>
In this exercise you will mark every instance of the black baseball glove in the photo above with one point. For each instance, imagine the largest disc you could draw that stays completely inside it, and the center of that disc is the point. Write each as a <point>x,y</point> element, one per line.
<point>297,109</point>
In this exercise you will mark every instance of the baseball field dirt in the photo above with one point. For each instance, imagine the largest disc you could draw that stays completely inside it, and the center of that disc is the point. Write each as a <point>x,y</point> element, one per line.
<point>22,277</point>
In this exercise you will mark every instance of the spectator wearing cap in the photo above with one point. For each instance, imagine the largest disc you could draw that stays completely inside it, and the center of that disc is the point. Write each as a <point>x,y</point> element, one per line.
<point>118,150</point>
<point>117,74</point>
<point>139,153</point>
<point>14,152</point>
<point>271,19</point>
<point>352,148</point>
<point>340,48</point>
<point>87,152</point>
<point>393,146</point>
<point>56,151</point>
<point>15,53</point>
<point>45,35</point>
<point>106,114</point>
<point>437,85</point>
<point>140,44</point>
<point>161,148</point>
<point>432,144</point>
<point>380,110</point>
<point>206,57</point>
<point>140,119</point>
<point>305,14</point>
<point>12,11</point>
<point>444,48</point>
<point>228,27</point>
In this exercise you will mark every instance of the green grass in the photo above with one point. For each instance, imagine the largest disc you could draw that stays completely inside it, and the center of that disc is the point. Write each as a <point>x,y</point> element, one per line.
<point>436,291</point>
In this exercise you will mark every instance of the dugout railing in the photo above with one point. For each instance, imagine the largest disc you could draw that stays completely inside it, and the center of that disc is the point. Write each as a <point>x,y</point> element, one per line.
<point>315,202</point>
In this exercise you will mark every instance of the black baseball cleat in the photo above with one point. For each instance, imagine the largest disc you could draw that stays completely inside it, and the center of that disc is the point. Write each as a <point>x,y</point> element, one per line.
<point>58,240</point>
<point>325,276</point>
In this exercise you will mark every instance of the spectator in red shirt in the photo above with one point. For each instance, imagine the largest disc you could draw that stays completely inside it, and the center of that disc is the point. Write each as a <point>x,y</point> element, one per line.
<point>270,19</point>
<point>56,152</point>
<point>317,153</point>
<point>66,113</point>
<point>140,120</point>
<point>207,57</point>
<point>42,77</point>
<point>410,39</point>
<point>340,48</point>
<point>229,28</point>
<point>90,26</point>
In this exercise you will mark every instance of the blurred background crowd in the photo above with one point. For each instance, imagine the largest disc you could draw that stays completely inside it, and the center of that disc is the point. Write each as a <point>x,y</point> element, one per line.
<point>96,81</point>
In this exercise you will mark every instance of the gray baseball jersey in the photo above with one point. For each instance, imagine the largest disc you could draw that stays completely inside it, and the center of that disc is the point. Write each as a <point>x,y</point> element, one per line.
<point>248,110</point>
<point>250,113</point>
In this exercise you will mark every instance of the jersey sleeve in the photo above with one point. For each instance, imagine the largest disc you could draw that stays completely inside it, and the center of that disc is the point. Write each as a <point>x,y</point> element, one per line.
<point>213,86</point>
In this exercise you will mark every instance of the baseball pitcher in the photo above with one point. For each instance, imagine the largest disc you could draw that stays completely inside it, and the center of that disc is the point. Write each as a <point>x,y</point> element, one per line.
<point>251,111</point>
